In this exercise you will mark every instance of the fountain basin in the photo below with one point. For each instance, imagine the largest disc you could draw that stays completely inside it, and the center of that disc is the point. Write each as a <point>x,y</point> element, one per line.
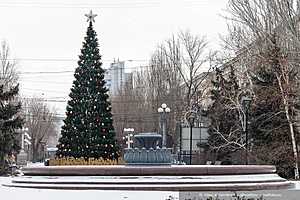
<point>150,156</point>
<point>160,178</point>
<point>148,151</point>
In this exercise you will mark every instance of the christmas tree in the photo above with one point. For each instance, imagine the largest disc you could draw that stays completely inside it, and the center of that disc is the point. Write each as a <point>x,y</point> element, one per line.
<point>88,130</point>
<point>10,123</point>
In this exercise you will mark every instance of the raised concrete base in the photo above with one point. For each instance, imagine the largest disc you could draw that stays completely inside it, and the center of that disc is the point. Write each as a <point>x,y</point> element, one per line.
<point>160,178</point>
<point>142,170</point>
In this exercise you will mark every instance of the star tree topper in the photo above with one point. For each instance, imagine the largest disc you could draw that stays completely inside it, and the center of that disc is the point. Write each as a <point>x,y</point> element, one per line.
<point>91,17</point>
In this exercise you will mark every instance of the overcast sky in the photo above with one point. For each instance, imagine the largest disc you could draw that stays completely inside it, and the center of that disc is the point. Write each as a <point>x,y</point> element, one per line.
<point>46,36</point>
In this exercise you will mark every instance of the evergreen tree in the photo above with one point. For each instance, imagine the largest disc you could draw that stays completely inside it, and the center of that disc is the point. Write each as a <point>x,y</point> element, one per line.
<point>271,136</point>
<point>223,115</point>
<point>88,130</point>
<point>10,122</point>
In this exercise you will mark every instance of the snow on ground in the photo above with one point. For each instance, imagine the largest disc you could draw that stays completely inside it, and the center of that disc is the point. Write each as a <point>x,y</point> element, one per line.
<point>297,185</point>
<point>45,194</point>
<point>37,164</point>
<point>4,180</point>
<point>150,179</point>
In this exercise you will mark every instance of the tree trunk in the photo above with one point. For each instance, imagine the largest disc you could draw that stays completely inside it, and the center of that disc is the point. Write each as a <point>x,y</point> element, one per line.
<point>292,133</point>
<point>2,163</point>
<point>293,141</point>
<point>35,153</point>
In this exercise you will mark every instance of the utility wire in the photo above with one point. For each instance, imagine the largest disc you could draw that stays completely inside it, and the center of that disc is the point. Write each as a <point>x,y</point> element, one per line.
<point>129,115</point>
<point>47,82</point>
<point>41,90</point>
<point>72,71</point>
<point>60,100</point>
<point>65,60</point>
<point>120,4</point>
<point>45,72</point>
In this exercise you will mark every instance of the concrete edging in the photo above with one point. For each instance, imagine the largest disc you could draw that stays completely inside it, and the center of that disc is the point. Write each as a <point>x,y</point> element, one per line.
<point>154,178</point>
<point>133,170</point>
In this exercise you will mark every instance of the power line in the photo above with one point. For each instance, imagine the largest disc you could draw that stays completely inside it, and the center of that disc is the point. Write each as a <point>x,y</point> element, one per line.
<point>64,59</point>
<point>129,115</point>
<point>119,116</point>
<point>103,5</point>
<point>138,4</point>
<point>65,100</point>
<point>47,82</point>
<point>22,88</point>
<point>49,72</point>
<point>73,71</point>
<point>69,71</point>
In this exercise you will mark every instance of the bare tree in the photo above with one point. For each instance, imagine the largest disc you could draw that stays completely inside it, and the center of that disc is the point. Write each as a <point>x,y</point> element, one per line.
<point>8,67</point>
<point>131,109</point>
<point>172,77</point>
<point>227,116</point>
<point>193,58</point>
<point>266,33</point>
<point>41,124</point>
<point>165,81</point>
<point>180,68</point>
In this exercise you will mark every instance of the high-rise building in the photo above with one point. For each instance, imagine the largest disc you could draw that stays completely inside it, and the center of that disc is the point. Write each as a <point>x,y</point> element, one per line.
<point>116,77</point>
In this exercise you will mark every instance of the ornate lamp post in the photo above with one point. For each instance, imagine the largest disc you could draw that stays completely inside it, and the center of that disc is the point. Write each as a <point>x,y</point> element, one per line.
<point>246,101</point>
<point>163,111</point>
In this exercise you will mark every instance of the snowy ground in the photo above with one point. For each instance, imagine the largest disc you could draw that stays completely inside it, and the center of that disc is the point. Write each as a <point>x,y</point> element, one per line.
<point>297,185</point>
<point>44,194</point>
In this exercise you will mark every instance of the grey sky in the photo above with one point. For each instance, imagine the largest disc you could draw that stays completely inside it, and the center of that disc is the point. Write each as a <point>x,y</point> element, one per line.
<point>47,35</point>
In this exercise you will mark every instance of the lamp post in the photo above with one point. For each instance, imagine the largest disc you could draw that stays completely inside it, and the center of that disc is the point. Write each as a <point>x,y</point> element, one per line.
<point>246,101</point>
<point>180,145</point>
<point>191,119</point>
<point>163,110</point>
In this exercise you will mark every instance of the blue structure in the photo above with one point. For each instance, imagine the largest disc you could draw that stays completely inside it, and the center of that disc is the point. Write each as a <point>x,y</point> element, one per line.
<point>148,151</point>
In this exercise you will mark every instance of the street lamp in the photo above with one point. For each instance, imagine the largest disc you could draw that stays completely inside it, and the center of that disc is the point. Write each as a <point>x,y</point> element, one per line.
<point>163,110</point>
<point>246,101</point>
<point>190,117</point>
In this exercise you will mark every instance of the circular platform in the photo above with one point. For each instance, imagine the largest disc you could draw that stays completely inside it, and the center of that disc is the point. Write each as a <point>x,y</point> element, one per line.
<point>146,170</point>
<point>160,178</point>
